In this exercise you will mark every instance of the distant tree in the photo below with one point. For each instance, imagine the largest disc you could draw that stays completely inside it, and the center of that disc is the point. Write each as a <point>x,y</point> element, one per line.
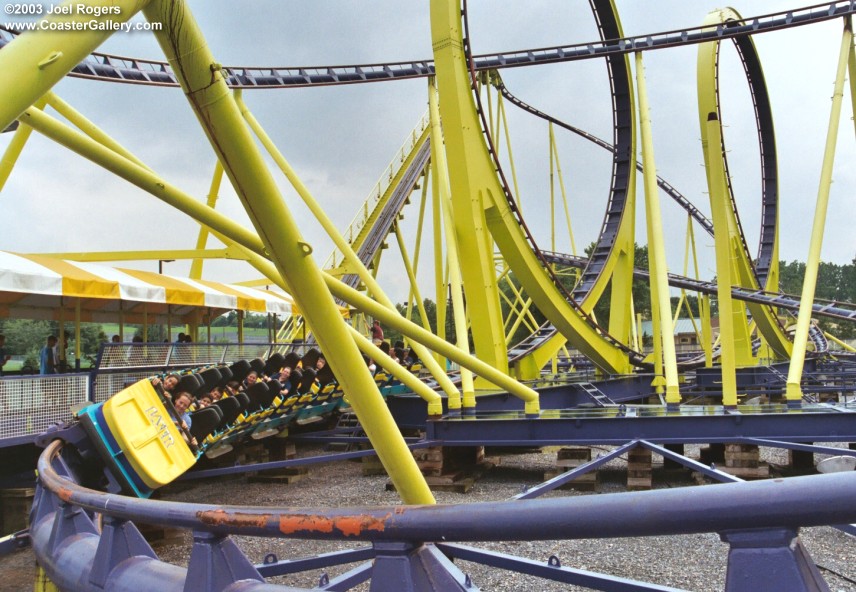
<point>229,319</point>
<point>156,334</point>
<point>641,289</point>
<point>25,337</point>
<point>691,300</point>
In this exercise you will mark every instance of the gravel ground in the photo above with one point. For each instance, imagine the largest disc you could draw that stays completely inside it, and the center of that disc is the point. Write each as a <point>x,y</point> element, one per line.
<point>695,562</point>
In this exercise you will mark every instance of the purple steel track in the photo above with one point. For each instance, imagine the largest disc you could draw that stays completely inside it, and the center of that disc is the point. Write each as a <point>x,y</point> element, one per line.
<point>759,519</point>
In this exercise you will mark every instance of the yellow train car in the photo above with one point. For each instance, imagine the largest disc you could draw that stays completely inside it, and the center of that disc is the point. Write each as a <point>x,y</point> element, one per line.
<point>138,439</point>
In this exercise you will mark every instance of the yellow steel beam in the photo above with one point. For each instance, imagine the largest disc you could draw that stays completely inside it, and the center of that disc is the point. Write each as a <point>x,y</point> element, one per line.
<point>439,260</point>
<point>411,277</point>
<point>202,239</point>
<point>472,181</point>
<point>742,272</point>
<point>729,320</point>
<point>87,127</point>
<point>15,147</point>
<point>656,241</point>
<point>435,401</point>
<point>147,255</point>
<point>554,151</point>
<point>441,178</point>
<point>236,233</point>
<point>137,175</point>
<point>351,258</point>
<point>793,392</point>
<point>480,205</point>
<point>203,83</point>
<point>31,64</point>
<point>417,250</point>
<point>417,333</point>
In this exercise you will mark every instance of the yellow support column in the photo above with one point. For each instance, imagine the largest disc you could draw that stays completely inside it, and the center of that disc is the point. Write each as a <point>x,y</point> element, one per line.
<point>78,120</point>
<point>741,266</point>
<point>344,247</point>
<point>13,150</point>
<point>793,392</point>
<point>414,292</point>
<point>439,275</point>
<point>441,178</point>
<point>31,64</point>
<point>727,317</point>
<point>472,183</point>
<point>202,239</point>
<point>656,243</point>
<point>206,90</point>
<point>153,184</point>
<point>411,277</point>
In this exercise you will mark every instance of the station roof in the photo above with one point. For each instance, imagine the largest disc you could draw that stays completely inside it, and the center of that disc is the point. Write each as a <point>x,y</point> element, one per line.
<point>43,287</point>
<point>682,327</point>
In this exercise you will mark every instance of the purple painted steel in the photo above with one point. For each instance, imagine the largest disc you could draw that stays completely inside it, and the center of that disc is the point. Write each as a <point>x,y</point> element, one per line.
<point>77,557</point>
<point>408,566</point>
<point>277,568</point>
<point>14,541</point>
<point>298,462</point>
<point>572,474</point>
<point>772,559</point>
<point>761,504</point>
<point>802,447</point>
<point>709,471</point>
<point>551,570</point>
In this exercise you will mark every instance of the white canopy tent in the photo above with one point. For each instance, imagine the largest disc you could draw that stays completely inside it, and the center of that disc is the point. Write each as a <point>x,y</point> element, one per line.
<point>42,287</point>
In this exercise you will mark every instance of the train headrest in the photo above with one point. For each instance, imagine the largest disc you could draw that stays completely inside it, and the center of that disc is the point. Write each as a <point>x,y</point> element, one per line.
<point>291,359</point>
<point>240,369</point>
<point>204,422</point>
<point>307,381</point>
<point>325,375</point>
<point>274,364</point>
<point>230,407</point>
<point>225,375</point>
<point>258,394</point>
<point>188,383</point>
<point>258,365</point>
<point>310,357</point>
<point>210,378</point>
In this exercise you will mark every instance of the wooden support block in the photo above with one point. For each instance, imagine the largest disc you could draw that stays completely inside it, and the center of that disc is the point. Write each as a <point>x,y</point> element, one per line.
<point>762,471</point>
<point>583,454</point>
<point>285,476</point>
<point>371,466</point>
<point>15,507</point>
<point>639,471</point>
<point>279,449</point>
<point>742,456</point>
<point>638,483</point>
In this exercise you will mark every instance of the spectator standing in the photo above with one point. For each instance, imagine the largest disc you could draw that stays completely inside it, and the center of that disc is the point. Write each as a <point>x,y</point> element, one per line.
<point>47,357</point>
<point>377,333</point>
<point>4,355</point>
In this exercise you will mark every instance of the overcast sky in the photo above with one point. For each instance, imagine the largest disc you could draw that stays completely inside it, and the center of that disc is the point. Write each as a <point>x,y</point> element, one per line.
<point>340,139</point>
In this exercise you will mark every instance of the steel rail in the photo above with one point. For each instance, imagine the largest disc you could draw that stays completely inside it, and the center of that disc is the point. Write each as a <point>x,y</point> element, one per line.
<point>617,68</point>
<point>667,187</point>
<point>748,505</point>
<point>131,70</point>
<point>789,302</point>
